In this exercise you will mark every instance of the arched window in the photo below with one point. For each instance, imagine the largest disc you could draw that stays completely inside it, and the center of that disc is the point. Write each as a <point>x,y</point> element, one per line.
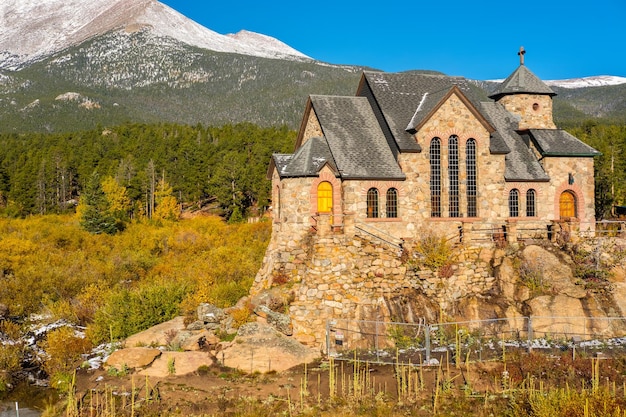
<point>514,203</point>
<point>392,203</point>
<point>435,177</point>
<point>372,203</point>
<point>530,203</point>
<point>567,205</point>
<point>324,197</point>
<point>470,168</point>
<point>453,175</point>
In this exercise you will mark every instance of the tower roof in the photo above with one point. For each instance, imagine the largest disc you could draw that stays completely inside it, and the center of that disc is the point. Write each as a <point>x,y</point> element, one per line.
<point>522,81</point>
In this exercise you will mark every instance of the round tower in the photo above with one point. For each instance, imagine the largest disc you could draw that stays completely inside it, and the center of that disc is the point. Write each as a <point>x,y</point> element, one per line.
<point>526,96</point>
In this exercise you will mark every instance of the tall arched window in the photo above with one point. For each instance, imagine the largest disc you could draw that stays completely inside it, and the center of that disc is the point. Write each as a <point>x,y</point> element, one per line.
<point>372,203</point>
<point>435,177</point>
<point>514,203</point>
<point>470,168</point>
<point>392,203</point>
<point>530,203</point>
<point>453,175</point>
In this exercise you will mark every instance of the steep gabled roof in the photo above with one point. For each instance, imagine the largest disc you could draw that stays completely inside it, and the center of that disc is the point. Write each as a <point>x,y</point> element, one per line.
<point>355,138</point>
<point>405,99</point>
<point>522,81</point>
<point>557,142</point>
<point>307,161</point>
<point>520,163</point>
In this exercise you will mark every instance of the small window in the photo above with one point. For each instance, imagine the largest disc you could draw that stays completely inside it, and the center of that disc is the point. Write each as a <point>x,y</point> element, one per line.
<point>392,203</point>
<point>530,203</point>
<point>372,203</point>
<point>536,106</point>
<point>514,203</point>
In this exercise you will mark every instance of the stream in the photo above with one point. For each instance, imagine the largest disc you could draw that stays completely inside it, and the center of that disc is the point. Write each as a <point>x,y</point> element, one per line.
<point>31,400</point>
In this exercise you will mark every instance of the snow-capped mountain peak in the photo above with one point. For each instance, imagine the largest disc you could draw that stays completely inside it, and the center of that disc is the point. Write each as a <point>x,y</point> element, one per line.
<point>596,81</point>
<point>34,29</point>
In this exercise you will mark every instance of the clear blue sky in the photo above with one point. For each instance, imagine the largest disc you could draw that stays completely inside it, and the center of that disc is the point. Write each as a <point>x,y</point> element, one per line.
<point>474,39</point>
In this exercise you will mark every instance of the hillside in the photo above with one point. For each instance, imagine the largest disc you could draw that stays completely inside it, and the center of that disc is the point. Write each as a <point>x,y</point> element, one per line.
<point>142,77</point>
<point>70,65</point>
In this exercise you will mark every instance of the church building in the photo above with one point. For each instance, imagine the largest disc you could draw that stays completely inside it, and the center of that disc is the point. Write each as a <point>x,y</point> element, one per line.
<point>414,153</point>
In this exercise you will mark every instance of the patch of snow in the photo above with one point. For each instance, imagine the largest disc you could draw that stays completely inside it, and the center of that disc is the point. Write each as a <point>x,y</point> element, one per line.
<point>31,30</point>
<point>69,96</point>
<point>596,81</point>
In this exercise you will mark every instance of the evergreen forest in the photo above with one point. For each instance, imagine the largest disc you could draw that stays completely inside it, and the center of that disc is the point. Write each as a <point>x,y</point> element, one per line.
<point>139,166</point>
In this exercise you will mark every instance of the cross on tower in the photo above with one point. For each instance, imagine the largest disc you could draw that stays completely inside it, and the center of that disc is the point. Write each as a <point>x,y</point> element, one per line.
<point>521,55</point>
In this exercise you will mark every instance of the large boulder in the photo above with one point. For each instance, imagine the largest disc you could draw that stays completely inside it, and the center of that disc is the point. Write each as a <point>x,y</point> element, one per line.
<point>159,335</point>
<point>279,321</point>
<point>259,347</point>
<point>209,313</point>
<point>131,358</point>
<point>177,363</point>
<point>564,315</point>
<point>555,274</point>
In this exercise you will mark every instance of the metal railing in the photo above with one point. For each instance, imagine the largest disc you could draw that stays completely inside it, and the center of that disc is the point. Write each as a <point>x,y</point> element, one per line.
<point>474,340</point>
<point>381,235</point>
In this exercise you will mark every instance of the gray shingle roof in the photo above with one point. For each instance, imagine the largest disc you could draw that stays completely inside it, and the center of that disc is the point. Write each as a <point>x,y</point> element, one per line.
<point>363,134</point>
<point>405,98</point>
<point>307,161</point>
<point>522,81</point>
<point>355,138</point>
<point>557,142</point>
<point>520,163</point>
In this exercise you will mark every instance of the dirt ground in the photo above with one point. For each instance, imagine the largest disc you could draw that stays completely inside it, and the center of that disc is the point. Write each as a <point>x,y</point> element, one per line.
<point>221,391</point>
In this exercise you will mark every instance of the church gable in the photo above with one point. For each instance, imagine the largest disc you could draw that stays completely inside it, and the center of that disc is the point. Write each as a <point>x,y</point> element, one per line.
<point>454,115</point>
<point>310,126</point>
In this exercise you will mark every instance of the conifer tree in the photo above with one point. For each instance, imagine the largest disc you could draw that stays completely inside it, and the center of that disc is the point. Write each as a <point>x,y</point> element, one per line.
<point>95,216</point>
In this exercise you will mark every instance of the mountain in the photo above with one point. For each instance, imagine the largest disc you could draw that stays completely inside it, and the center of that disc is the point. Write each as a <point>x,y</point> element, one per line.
<point>68,65</point>
<point>33,29</point>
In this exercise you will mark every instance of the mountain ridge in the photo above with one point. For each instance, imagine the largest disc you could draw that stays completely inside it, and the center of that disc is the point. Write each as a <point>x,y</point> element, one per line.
<point>31,31</point>
<point>138,71</point>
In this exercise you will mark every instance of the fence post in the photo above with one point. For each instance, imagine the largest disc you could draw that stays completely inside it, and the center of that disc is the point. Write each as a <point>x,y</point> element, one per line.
<point>328,337</point>
<point>427,342</point>
<point>529,333</point>
<point>376,342</point>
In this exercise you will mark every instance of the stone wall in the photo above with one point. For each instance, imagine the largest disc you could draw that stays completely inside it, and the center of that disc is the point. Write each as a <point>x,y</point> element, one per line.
<point>356,277</point>
<point>535,110</point>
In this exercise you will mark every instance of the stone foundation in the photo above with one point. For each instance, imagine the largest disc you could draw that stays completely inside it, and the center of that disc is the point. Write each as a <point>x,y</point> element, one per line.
<point>361,278</point>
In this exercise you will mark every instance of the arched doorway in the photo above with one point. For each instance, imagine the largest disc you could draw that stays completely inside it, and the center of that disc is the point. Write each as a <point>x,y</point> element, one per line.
<point>567,205</point>
<point>324,197</point>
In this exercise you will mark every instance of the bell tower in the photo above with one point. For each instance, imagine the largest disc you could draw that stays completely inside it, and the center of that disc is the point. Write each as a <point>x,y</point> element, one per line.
<point>526,96</point>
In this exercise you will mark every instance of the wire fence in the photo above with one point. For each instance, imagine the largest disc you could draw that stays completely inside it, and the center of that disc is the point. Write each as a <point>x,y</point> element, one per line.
<point>467,341</point>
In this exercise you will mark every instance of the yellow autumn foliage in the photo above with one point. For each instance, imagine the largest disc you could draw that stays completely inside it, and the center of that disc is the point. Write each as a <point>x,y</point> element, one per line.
<point>49,264</point>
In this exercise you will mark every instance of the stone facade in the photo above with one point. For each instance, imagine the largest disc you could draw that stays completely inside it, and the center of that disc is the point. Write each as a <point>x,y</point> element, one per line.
<point>358,277</point>
<point>535,110</point>
<point>353,259</point>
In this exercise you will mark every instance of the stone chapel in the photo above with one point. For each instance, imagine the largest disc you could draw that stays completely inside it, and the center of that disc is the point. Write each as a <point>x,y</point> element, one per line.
<point>412,153</point>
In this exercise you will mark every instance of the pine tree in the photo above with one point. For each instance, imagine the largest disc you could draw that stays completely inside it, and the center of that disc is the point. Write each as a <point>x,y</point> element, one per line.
<point>94,212</point>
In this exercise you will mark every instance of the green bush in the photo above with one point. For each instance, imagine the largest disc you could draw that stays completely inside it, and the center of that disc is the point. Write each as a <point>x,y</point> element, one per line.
<point>129,311</point>
<point>433,251</point>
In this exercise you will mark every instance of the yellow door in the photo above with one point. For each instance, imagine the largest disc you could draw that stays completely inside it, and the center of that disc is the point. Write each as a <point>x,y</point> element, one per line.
<point>324,197</point>
<point>567,205</point>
